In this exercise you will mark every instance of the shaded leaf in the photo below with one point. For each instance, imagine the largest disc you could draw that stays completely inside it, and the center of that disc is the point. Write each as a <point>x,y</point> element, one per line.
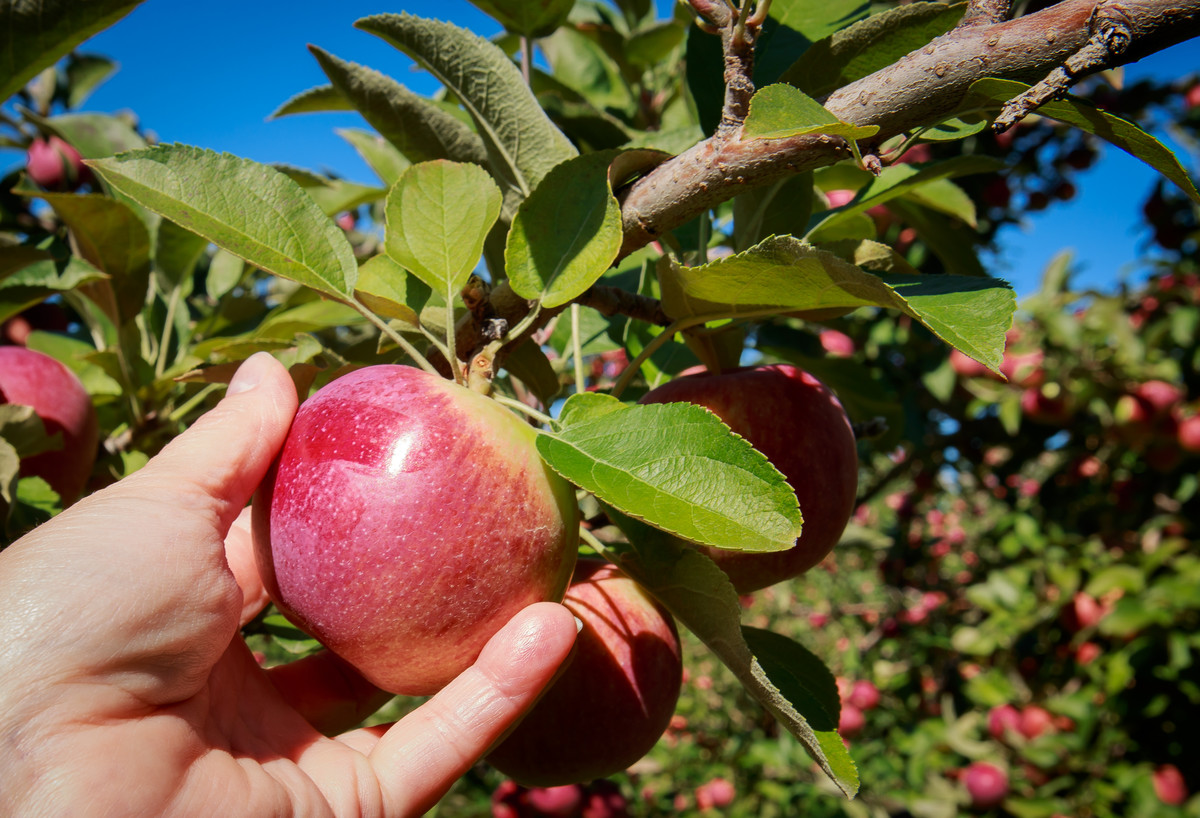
<point>249,209</point>
<point>679,468</point>
<point>777,209</point>
<point>85,73</point>
<point>529,364</point>
<point>530,18</point>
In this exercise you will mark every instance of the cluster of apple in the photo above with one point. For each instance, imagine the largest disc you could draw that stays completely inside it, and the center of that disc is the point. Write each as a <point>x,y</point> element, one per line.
<point>858,698</point>
<point>407,518</point>
<point>599,799</point>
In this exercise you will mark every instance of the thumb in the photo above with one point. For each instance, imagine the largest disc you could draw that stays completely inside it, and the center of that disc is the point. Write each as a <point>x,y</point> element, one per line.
<point>214,467</point>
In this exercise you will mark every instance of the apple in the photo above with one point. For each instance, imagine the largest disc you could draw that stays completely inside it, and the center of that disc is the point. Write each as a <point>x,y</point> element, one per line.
<point>1001,719</point>
<point>864,695</point>
<point>31,378</point>
<point>603,799</point>
<point>715,794</point>
<point>1169,785</point>
<point>986,783</point>
<point>837,344</point>
<point>406,520</point>
<point>54,164</point>
<point>851,720</point>
<point>967,367</point>
<point>795,420</point>
<point>556,802</point>
<point>1035,720</point>
<point>617,691</point>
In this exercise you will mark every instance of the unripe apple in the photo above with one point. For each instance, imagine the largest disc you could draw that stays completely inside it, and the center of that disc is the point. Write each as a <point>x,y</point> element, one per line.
<point>800,426</point>
<point>1001,719</point>
<point>406,520</point>
<point>30,378</point>
<point>54,165</point>
<point>1169,785</point>
<point>986,783</point>
<point>615,695</point>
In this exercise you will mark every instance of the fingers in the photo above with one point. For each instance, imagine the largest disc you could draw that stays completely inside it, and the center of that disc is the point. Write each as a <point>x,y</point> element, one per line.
<point>216,465</point>
<point>239,553</point>
<point>418,759</point>
<point>330,694</point>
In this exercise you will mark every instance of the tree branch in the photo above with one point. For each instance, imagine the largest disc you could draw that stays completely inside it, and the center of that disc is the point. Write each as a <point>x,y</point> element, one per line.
<point>981,12</point>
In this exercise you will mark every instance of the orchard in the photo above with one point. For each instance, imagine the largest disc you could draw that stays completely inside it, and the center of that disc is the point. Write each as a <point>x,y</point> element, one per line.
<point>683,316</point>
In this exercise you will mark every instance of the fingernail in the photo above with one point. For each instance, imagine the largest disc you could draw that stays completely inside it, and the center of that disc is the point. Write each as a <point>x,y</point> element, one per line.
<point>578,624</point>
<point>249,374</point>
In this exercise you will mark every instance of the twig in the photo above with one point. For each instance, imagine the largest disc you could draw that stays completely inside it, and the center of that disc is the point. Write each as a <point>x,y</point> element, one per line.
<point>610,301</point>
<point>982,12</point>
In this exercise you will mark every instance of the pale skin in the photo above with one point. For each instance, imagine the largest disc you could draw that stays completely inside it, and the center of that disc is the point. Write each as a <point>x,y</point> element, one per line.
<point>126,689</point>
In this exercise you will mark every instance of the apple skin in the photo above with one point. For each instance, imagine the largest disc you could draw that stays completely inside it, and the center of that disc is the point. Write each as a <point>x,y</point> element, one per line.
<point>986,784</point>
<point>800,426</point>
<point>55,164</point>
<point>406,520</point>
<point>1001,719</point>
<point>1169,785</point>
<point>615,695</point>
<point>31,378</point>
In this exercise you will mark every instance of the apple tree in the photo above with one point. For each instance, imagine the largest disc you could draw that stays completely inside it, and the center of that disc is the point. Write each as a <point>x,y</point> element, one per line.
<point>575,221</point>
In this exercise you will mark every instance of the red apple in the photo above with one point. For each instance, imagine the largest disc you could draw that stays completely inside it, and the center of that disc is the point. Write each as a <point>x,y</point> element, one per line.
<point>30,378</point>
<point>1160,396</point>
<point>1024,370</point>
<point>851,720</point>
<point>864,695</point>
<point>967,367</point>
<point>555,802</point>
<point>800,426</point>
<point>837,344</point>
<point>715,794</point>
<point>1001,719</point>
<point>604,800</point>
<point>1035,720</point>
<point>1188,434</point>
<point>1169,785</point>
<point>986,783</point>
<point>616,694</point>
<point>406,520</point>
<point>54,165</point>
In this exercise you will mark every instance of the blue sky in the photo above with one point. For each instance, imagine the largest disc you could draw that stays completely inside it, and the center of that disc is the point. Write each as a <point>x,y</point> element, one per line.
<point>211,74</point>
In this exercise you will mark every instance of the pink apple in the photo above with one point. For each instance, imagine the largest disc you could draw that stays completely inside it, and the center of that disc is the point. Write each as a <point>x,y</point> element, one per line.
<point>837,198</point>
<point>616,694</point>
<point>986,783</point>
<point>1169,785</point>
<point>864,695</point>
<point>1001,719</point>
<point>604,800</point>
<point>555,802</point>
<point>1024,370</point>
<point>31,378</point>
<point>715,794</point>
<point>55,165</point>
<point>1188,434</point>
<point>837,344</point>
<point>851,720</point>
<point>1160,396</point>
<point>800,426</point>
<point>406,520</point>
<point>1035,720</point>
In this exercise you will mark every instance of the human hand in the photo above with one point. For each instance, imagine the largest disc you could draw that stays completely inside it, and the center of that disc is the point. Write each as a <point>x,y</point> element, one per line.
<point>125,688</point>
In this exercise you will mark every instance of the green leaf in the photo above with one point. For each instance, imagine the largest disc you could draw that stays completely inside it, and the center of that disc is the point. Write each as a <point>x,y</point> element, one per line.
<point>387,162</point>
<point>335,196</point>
<point>951,241</point>
<point>677,467</point>
<point>816,21</point>
<point>85,73</point>
<point>417,127</point>
<point>530,18</point>
<point>225,272</point>
<point>780,111</point>
<point>993,93</point>
<point>772,210</point>
<point>438,215</point>
<point>522,143</point>
<point>786,679</point>
<point>316,100</point>
<point>40,280</point>
<point>25,432</point>
<point>529,364</point>
<point>14,257</point>
<point>786,274</point>
<point>249,209</point>
<point>96,135</point>
<point>33,35</point>
<point>566,234</point>
<point>869,45</point>
<point>177,251</point>
<point>899,180</point>
<point>654,43</point>
<point>389,291</point>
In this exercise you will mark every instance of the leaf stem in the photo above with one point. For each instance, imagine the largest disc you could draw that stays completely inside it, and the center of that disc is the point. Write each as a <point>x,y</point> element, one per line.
<point>577,350</point>
<point>596,545</point>
<point>450,352</point>
<point>524,324</point>
<point>160,365</point>
<point>400,340</point>
<point>180,412</point>
<point>526,409</point>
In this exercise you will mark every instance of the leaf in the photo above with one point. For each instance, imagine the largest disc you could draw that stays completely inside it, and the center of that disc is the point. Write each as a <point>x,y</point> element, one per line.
<point>677,467</point>
<point>33,35</point>
<point>522,143</point>
<point>438,215</point>
<point>387,162</point>
<point>899,180</point>
<point>42,279</point>
<point>25,432</point>
<point>654,43</point>
<point>225,272</point>
<point>993,93</point>
<point>177,251</point>
<point>786,274</point>
<point>780,111</point>
<point>319,99</point>
<point>417,127</point>
<point>249,209</point>
<point>952,242</point>
<point>389,291</point>
<point>816,21</point>
<point>869,45</point>
<point>96,135</point>
<point>772,210</point>
<point>566,234</point>
<point>85,73</point>
<point>14,257</point>
<point>529,18</point>
<point>529,364</point>
<point>786,679</point>
<point>335,196</point>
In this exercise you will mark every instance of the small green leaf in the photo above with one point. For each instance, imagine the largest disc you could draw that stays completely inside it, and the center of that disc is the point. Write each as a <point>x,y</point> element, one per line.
<point>34,35</point>
<point>387,162</point>
<point>40,280</point>
<point>389,291</point>
<point>522,143</point>
<point>14,257</point>
<point>566,234</point>
<point>438,215</point>
<point>316,100</point>
<point>772,210</point>
<point>96,135</point>
<point>530,18</point>
<point>677,467</point>
<point>85,73</point>
<point>247,208</point>
<point>787,274</point>
<point>225,272</point>
<point>780,111</point>
<point>785,678</point>
<point>816,21</point>
<point>25,432</point>
<point>993,93</point>
<point>415,126</point>
<point>177,251</point>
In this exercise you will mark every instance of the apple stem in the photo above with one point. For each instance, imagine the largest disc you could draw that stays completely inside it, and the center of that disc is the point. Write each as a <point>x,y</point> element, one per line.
<point>524,409</point>
<point>577,350</point>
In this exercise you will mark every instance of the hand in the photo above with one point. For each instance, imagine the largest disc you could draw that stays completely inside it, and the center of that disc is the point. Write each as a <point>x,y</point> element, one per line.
<point>126,690</point>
